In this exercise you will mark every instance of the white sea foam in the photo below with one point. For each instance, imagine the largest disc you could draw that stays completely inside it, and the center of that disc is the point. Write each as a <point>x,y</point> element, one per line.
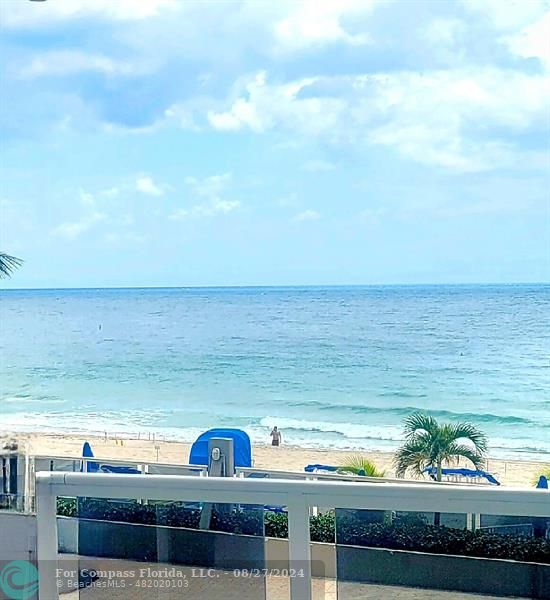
<point>297,432</point>
<point>350,431</point>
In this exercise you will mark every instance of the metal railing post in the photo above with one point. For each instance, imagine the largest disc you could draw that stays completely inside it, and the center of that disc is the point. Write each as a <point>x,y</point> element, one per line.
<point>299,552</point>
<point>46,529</point>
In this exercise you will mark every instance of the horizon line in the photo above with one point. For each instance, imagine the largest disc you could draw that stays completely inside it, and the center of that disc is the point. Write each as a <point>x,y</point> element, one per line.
<point>274,286</point>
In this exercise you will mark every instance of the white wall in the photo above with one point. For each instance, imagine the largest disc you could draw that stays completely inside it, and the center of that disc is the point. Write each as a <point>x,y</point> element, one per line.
<point>17,536</point>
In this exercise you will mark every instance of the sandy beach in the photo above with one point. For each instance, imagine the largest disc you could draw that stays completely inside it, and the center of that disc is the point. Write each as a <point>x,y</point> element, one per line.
<point>513,473</point>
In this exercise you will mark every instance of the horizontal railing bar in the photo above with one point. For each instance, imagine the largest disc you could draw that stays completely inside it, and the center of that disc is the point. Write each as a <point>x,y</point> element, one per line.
<point>116,461</point>
<point>360,495</point>
<point>338,477</point>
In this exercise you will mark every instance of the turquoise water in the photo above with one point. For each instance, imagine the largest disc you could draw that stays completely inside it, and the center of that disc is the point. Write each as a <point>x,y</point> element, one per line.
<point>337,367</point>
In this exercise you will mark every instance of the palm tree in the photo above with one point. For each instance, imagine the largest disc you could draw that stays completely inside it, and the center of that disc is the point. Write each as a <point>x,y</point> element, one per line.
<point>360,465</point>
<point>431,444</point>
<point>8,264</point>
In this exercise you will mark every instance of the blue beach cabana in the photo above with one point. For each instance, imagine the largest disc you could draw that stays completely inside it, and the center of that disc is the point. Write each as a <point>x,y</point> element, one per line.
<point>241,446</point>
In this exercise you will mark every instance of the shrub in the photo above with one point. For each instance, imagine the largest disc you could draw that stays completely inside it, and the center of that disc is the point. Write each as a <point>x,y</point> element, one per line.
<point>276,525</point>
<point>66,507</point>
<point>357,464</point>
<point>443,540</point>
<point>322,528</point>
<point>406,532</point>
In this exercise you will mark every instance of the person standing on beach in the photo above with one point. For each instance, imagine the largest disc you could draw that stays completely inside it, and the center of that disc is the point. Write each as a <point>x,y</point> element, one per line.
<point>276,437</point>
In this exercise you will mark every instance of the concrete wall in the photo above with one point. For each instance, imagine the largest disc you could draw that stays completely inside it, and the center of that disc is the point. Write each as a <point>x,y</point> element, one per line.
<point>436,571</point>
<point>190,547</point>
<point>184,546</point>
<point>216,549</point>
<point>67,535</point>
<point>17,540</point>
<point>323,557</point>
<point>17,536</point>
<point>346,563</point>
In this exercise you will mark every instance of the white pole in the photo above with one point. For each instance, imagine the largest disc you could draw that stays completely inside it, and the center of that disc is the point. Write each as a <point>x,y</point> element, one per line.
<point>46,529</point>
<point>299,547</point>
<point>27,483</point>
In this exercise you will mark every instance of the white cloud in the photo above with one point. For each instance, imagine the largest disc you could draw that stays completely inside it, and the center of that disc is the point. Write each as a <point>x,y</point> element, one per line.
<point>439,118</point>
<point>31,14</point>
<point>86,199</point>
<point>317,166</point>
<point>444,118</point>
<point>265,106</point>
<point>73,230</point>
<point>179,215</point>
<point>209,186</point>
<point>444,37</point>
<point>306,215</point>
<point>147,186</point>
<point>182,115</point>
<point>533,41</point>
<point>288,200</point>
<point>487,206</point>
<point>209,190</point>
<point>314,23</point>
<point>207,209</point>
<point>508,14</point>
<point>215,207</point>
<point>111,192</point>
<point>70,62</point>
<point>442,31</point>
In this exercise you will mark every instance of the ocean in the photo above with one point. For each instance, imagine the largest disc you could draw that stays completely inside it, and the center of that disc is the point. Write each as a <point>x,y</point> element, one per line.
<point>331,366</point>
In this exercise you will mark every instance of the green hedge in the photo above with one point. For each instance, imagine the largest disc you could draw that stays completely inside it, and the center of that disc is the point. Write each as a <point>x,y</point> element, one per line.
<point>173,514</point>
<point>404,533</point>
<point>444,540</point>
<point>321,527</point>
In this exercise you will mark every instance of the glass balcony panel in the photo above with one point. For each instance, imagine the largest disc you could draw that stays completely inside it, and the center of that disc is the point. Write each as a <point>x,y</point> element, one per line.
<point>392,554</point>
<point>147,549</point>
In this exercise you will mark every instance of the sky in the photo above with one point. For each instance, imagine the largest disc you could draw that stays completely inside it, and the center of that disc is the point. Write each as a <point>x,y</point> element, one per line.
<point>172,143</point>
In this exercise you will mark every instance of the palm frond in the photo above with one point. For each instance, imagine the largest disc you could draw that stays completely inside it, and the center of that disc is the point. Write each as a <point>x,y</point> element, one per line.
<point>360,465</point>
<point>431,444</point>
<point>414,455</point>
<point>455,451</point>
<point>419,422</point>
<point>8,264</point>
<point>470,432</point>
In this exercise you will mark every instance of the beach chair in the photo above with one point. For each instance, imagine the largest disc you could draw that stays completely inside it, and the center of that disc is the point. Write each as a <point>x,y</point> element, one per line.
<point>316,468</point>
<point>462,475</point>
<point>88,466</point>
<point>96,467</point>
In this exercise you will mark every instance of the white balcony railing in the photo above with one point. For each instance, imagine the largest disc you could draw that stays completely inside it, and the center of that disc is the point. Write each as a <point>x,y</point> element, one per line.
<point>28,465</point>
<point>297,496</point>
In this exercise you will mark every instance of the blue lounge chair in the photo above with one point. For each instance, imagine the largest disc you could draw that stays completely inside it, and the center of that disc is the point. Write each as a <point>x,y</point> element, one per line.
<point>470,473</point>
<point>95,467</point>
<point>330,469</point>
<point>119,469</point>
<point>313,468</point>
<point>87,452</point>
